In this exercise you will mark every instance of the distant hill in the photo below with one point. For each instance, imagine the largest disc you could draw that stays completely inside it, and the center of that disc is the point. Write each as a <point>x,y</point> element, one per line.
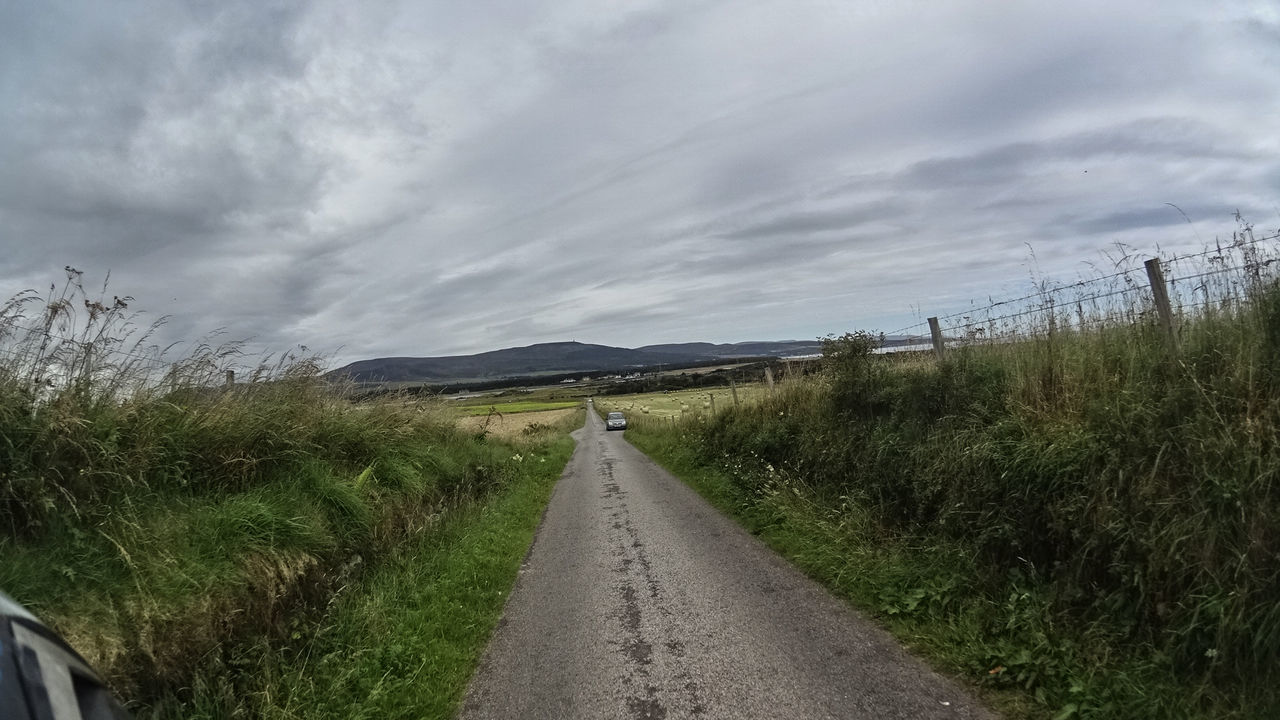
<point>560,357</point>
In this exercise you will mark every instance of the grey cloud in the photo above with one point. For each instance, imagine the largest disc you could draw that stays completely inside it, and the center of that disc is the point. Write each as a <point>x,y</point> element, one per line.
<point>1153,138</point>
<point>1155,217</point>
<point>119,145</point>
<point>417,178</point>
<point>723,260</point>
<point>817,221</point>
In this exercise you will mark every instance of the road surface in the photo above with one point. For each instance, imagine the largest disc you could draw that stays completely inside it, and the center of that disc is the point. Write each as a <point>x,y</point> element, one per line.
<point>640,600</point>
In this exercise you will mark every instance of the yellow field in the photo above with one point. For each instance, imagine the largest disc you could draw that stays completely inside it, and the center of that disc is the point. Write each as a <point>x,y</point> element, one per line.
<point>673,403</point>
<point>511,408</point>
<point>514,425</point>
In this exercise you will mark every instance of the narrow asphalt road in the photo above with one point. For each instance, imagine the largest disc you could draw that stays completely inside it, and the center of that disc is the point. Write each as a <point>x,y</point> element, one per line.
<point>640,600</point>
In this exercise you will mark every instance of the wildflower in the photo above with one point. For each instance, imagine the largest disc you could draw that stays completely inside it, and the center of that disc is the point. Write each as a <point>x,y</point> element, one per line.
<point>517,457</point>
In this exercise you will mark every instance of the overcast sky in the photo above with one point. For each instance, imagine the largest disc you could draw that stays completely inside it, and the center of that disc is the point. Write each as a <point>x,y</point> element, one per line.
<point>426,178</point>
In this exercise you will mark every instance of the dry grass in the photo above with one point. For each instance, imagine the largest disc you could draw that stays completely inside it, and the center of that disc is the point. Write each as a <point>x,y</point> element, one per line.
<point>517,425</point>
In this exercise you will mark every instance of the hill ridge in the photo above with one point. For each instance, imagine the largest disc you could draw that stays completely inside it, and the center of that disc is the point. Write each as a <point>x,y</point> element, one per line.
<point>560,357</point>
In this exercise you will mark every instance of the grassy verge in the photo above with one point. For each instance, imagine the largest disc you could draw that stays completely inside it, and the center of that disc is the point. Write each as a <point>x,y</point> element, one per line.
<point>186,601</point>
<point>403,641</point>
<point>1006,637</point>
<point>171,520</point>
<point>1085,522</point>
<point>151,565</point>
<point>910,590</point>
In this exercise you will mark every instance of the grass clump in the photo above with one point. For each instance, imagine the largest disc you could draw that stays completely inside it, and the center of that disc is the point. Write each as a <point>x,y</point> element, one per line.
<point>1087,516</point>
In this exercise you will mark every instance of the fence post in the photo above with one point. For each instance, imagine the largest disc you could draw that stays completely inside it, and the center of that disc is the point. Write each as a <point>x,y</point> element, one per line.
<point>733,388</point>
<point>86,372</point>
<point>768,376</point>
<point>713,403</point>
<point>938,346</point>
<point>231,378</point>
<point>1160,291</point>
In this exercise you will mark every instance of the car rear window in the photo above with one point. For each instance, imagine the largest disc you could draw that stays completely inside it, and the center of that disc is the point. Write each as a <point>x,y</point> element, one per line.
<point>615,416</point>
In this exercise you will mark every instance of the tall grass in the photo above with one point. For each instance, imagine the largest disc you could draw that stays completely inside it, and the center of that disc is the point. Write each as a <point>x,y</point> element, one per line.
<point>158,517</point>
<point>402,640</point>
<point>1122,488</point>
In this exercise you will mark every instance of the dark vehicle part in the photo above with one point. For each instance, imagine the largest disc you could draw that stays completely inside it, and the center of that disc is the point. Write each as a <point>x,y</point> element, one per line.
<point>42,678</point>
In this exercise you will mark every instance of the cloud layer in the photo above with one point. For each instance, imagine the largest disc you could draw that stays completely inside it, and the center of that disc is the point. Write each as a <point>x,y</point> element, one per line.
<point>427,178</point>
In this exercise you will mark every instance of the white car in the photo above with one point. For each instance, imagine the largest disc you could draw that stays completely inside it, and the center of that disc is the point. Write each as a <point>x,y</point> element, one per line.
<point>615,421</point>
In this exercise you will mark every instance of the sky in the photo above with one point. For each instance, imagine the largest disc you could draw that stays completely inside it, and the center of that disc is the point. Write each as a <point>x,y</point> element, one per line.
<point>427,178</point>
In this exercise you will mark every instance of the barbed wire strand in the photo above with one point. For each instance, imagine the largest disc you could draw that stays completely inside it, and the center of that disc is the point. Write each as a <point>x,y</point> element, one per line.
<point>1210,273</point>
<point>1042,309</point>
<point>1092,281</point>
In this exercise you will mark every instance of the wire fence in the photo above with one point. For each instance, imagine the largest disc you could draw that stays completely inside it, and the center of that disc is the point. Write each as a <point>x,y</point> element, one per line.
<point>1219,279</point>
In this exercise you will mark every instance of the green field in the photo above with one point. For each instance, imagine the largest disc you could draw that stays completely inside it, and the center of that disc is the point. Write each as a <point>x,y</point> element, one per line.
<point>677,403</point>
<point>519,406</point>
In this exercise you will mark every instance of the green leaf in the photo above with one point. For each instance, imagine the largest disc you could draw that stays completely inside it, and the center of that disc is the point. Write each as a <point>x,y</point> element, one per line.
<point>1068,711</point>
<point>363,477</point>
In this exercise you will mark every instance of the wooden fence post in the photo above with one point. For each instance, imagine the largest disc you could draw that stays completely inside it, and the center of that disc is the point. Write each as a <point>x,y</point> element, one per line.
<point>768,376</point>
<point>231,378</point>
<point>733,388</point>
<point>938,346</point>
<point>713,403</point>
<point>86,372</point>
<point>1160,291</point>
